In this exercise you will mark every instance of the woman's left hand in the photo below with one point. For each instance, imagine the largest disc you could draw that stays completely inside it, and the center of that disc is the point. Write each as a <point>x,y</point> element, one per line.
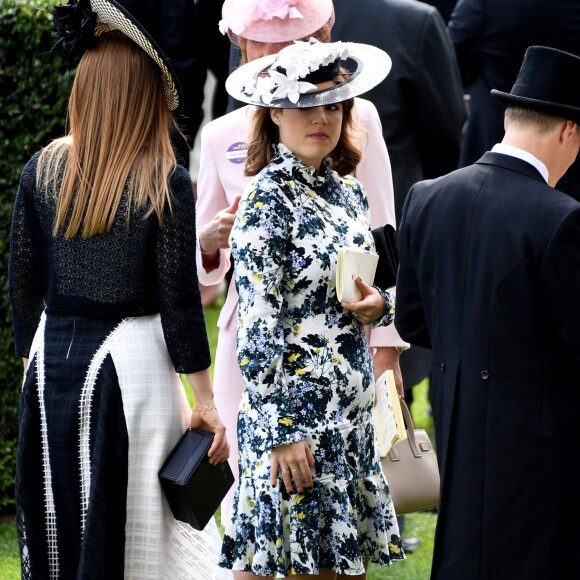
<point>387,358</point>
<point>211,421</point>
<point>370,307</point>
<point>293,461</point>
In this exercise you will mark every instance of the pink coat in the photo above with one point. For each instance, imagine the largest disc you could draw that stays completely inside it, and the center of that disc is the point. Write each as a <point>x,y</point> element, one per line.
<point>221,178</point>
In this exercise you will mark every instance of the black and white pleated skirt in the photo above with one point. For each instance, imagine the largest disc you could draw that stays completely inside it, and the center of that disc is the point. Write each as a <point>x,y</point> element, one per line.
<point>101,408</point>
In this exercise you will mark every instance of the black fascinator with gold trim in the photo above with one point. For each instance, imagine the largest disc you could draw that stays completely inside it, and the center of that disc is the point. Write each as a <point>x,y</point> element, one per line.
<point>75,27</point>
<point>79,22</point>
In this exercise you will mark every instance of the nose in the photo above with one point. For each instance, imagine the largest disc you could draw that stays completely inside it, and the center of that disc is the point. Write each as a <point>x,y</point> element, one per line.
<point>320,116</point>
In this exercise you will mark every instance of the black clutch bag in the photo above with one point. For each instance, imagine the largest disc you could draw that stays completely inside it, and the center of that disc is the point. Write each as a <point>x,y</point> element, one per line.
<point>386,243</point>
<point>193,487</point>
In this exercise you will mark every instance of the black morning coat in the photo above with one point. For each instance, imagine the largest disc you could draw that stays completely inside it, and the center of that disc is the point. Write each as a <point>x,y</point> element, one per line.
<point>489,279</point>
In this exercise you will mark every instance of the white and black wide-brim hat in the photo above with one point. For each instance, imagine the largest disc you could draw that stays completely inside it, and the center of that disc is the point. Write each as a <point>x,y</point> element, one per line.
<point>287,80</point>
<point>547,82</point>
<point>79,22</point>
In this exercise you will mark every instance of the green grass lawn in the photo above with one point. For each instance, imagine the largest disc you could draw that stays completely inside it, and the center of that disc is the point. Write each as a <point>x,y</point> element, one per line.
<point>9,557</point>
<point>417,566</point>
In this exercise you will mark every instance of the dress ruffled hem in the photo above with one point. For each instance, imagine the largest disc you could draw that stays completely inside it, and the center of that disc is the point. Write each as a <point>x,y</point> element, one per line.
<point>338,525</point>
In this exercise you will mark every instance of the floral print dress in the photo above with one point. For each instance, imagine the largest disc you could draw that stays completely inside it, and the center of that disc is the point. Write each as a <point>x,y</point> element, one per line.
<point>308,376</point>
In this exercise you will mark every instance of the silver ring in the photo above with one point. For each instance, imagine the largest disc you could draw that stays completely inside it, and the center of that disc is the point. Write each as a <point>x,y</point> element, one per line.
<point>355,314</point>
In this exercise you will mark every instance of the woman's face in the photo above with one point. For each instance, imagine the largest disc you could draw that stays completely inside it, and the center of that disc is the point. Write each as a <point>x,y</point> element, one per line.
<point>256,49</point>
<point>311,134</point>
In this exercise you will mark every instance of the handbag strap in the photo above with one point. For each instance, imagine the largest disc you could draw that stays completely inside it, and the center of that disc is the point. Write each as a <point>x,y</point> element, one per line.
<point>410,434</point>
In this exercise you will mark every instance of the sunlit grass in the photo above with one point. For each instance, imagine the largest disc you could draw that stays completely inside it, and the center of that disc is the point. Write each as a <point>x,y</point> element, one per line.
<point>9,556</point>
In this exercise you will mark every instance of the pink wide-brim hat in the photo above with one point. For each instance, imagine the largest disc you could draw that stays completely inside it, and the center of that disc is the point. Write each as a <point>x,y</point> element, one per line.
<point>274,20</point>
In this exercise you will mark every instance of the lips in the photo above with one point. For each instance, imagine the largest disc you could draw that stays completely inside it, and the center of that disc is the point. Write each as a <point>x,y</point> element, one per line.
<point>318,136</point>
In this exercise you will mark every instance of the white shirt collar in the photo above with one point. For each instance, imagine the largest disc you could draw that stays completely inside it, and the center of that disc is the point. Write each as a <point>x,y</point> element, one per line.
<point>523,155</point>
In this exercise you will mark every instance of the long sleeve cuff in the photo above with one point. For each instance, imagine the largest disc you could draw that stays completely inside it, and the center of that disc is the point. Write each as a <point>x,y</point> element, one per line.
<point>215,276</point>
<point>389,315</point>
<point>387,336</point>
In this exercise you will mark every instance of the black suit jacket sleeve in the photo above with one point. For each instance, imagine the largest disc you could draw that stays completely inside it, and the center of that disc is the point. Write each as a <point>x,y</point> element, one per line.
<point>466,33</point>
<point>181,30</point>
<point>410,320</point>
<point>561,272</point>
<point>438,89</point>
<point>439,93</point>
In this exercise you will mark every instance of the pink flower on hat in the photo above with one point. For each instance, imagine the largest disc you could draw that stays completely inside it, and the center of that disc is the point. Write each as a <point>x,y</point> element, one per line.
<point>248,12</point>
<point>269,9</point>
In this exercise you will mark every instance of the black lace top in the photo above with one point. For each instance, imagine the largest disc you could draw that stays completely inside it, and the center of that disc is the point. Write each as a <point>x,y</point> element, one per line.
<point>136,272</point>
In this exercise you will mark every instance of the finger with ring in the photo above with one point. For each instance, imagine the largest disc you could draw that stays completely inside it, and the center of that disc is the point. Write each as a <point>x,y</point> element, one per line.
<point>355,314</point>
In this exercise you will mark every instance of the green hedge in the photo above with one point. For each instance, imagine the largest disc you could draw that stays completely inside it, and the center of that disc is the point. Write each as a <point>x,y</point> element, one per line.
<point>34,90</point>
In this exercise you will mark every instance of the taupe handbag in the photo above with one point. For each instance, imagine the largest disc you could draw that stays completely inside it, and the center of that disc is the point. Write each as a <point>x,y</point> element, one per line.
<point>411,470</point>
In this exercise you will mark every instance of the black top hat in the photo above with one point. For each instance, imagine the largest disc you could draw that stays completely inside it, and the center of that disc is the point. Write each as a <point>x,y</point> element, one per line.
<point>79,22</point>
<point>547,82</point>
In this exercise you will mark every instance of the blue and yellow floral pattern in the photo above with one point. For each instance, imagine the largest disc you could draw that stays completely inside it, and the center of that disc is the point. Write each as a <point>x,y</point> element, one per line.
<point>308,376</point>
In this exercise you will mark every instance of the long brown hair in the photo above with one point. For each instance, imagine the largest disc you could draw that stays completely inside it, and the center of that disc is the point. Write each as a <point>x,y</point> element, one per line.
<point>345,156</point>
<point>119,138</point>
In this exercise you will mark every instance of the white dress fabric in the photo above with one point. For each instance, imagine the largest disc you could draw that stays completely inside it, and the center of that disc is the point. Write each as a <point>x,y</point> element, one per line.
<point>155,413</point>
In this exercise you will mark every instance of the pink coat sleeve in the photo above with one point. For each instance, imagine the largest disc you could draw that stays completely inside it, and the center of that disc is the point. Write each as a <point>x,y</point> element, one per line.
<point>374,173</point>
<point>211,198</point>
<point>374,169</point>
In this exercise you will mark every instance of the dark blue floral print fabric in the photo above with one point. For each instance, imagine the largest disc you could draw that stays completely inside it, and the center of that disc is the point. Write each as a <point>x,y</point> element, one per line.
<point>308,376</point>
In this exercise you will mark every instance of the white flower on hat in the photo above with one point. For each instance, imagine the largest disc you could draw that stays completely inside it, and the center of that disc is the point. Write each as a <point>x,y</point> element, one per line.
<point>263,89</point>
<point>276,86</point>
<point>286,87</point>
<point>291,64</point>
<point>302,58</point>
<point>249,88</point>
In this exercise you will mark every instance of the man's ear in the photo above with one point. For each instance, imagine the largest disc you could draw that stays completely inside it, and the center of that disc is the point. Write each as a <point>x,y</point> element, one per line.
<point>568,131</point>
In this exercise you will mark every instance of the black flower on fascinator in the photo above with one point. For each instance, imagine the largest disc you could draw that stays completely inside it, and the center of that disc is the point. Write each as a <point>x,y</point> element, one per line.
<point>75,27</point>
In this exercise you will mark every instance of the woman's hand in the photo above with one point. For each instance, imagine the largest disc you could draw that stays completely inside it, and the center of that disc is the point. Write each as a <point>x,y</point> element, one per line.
<point>203,420</point>
<point>205,416</point>
<point>294,461</point>
<point>370,307</point>
<point>387,358</point>
<point>216,233</point>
